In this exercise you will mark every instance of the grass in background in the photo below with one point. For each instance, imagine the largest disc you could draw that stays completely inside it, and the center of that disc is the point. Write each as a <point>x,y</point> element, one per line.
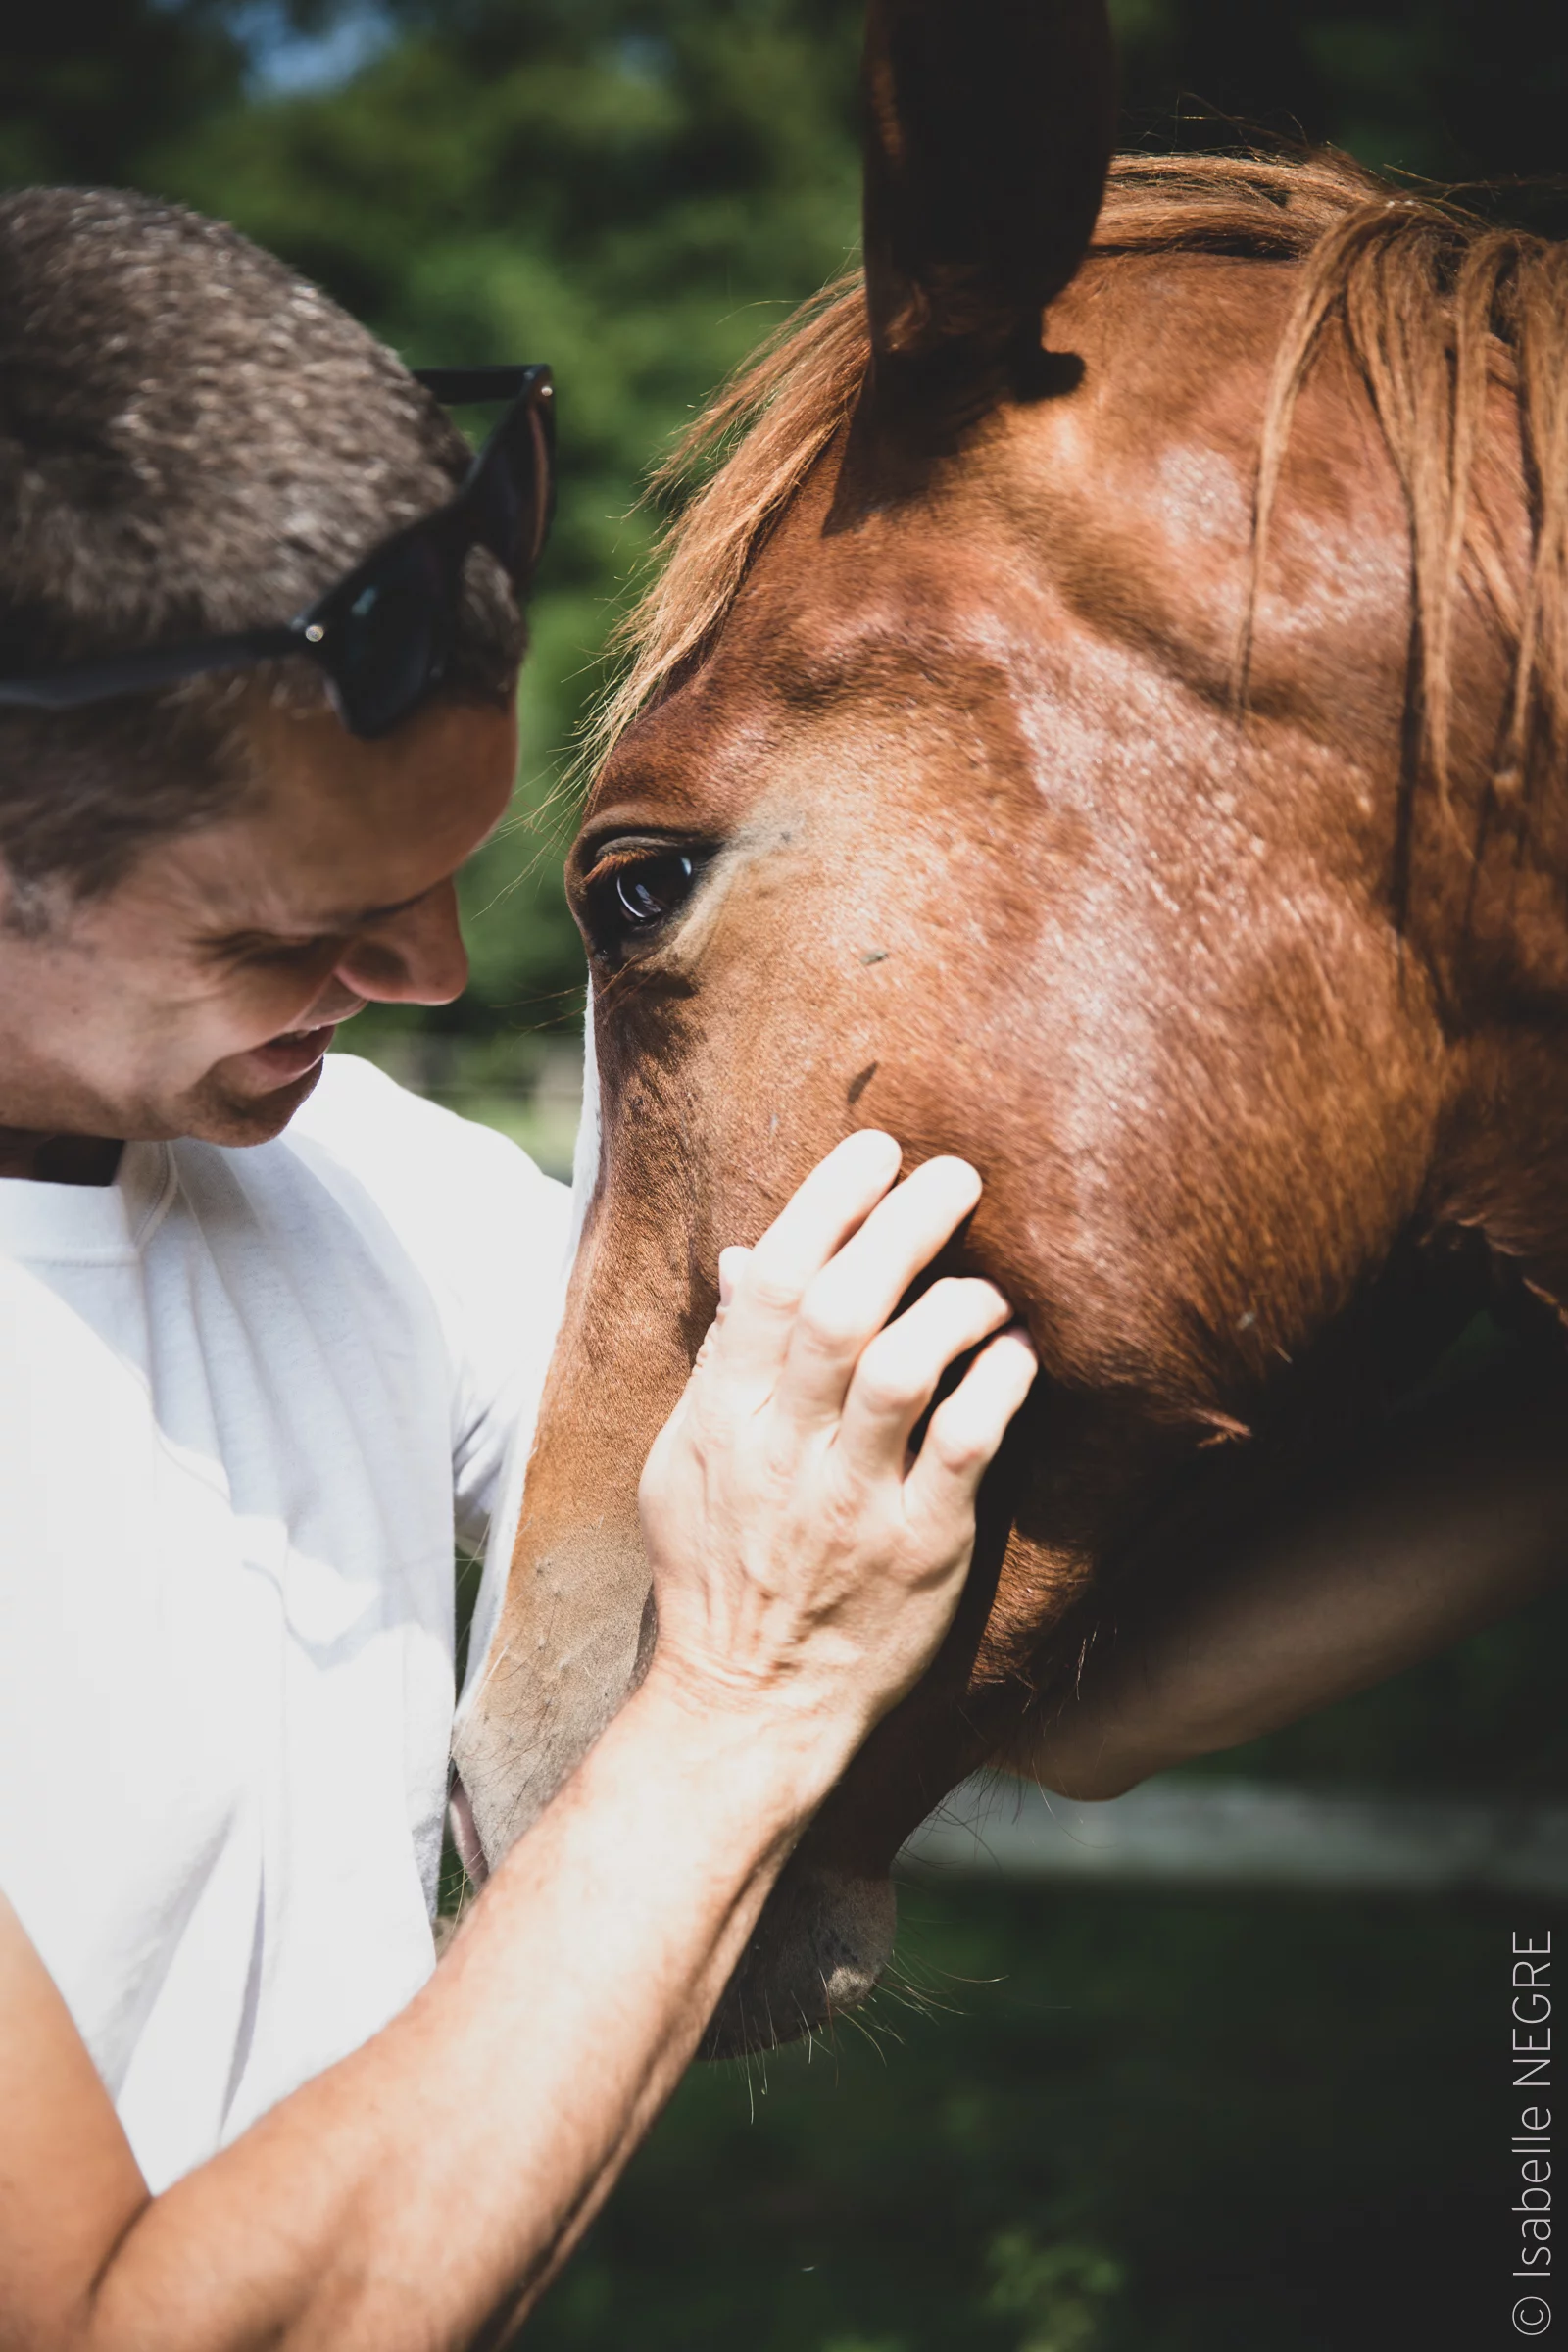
<point>1132,2123</point>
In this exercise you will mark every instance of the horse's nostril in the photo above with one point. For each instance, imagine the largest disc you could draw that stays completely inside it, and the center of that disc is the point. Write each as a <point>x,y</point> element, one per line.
<point>819,1947</point>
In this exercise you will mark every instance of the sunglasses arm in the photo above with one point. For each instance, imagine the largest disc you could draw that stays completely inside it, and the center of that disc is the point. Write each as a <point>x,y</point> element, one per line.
<point>101,681</point>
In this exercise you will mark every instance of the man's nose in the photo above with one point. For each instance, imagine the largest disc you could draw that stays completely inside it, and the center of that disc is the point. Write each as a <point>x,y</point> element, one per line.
<point>415,957</point>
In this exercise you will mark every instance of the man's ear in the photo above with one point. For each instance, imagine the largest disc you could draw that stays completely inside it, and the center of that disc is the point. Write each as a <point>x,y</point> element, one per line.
<point>988,126</point>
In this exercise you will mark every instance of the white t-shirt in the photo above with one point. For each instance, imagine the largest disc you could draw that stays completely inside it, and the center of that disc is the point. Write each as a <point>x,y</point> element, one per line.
<point>247,1398</point>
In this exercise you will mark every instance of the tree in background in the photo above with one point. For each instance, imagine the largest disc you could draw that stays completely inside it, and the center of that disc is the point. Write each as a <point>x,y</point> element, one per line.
<point>88,87</point>
<point>1444,87</point>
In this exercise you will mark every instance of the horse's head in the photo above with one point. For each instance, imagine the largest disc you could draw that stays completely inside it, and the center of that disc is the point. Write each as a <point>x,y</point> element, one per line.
<point>945,811</point>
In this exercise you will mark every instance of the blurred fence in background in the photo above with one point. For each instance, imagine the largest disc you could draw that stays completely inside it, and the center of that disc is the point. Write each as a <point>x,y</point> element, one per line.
<point>1195,1832</point>
<point>528,1086</point>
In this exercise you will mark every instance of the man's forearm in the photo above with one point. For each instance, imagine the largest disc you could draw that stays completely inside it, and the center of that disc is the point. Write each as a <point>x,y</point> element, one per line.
<point>435,2180</point>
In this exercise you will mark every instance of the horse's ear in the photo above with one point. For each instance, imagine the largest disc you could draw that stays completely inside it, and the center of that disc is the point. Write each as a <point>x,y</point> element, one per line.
<point>988,129</point>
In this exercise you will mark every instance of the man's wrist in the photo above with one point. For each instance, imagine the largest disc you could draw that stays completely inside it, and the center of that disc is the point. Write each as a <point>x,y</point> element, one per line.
<point>779,1760</point>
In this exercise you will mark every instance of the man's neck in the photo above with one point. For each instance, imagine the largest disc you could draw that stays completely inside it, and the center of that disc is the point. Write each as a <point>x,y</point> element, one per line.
<point>57,1159</point>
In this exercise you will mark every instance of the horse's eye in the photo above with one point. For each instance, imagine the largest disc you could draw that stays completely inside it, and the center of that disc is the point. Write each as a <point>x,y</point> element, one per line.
<point>646,893</point>
<point>639,891</point>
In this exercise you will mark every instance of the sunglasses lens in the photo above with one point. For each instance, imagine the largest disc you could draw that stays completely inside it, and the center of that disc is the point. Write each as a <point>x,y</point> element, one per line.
<point>387,642</point>
<point>384,634</point>
<point>511,495</point>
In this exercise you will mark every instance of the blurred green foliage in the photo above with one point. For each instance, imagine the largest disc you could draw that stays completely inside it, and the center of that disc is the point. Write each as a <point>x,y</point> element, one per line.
<point>88,88</point>
<point>1098,2122</point>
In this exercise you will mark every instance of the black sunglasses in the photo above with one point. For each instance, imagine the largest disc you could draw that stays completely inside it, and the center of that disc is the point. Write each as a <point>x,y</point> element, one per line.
<point>383,633</point>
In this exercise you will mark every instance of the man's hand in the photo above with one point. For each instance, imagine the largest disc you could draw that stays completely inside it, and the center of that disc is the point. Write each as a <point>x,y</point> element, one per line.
<point>806,1563</point>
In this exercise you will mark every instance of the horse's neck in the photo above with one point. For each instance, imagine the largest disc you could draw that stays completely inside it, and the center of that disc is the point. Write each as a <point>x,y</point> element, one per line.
<point>1504,975</point>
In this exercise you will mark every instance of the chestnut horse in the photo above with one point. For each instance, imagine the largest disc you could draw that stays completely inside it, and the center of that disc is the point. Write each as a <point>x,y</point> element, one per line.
<point>1130,755</point>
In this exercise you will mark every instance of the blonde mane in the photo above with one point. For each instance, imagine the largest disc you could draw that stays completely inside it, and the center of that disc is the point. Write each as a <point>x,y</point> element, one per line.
<point>1432,305</point>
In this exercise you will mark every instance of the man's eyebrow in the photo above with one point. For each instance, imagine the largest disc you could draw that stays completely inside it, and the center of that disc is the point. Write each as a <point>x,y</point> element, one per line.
<point>325,925</point>
<point>350,919</point>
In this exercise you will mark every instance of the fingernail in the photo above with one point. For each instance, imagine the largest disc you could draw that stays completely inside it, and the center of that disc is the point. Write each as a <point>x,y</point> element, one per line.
<point>730,1261</point>
<point>957,1170</point>
<point>875,1145</point>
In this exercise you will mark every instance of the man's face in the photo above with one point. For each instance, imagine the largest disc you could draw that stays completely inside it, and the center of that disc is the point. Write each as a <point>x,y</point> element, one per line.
<point>198,997</point>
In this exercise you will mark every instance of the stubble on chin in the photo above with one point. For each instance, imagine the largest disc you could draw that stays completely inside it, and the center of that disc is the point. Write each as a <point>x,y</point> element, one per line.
<point>214,1112</point>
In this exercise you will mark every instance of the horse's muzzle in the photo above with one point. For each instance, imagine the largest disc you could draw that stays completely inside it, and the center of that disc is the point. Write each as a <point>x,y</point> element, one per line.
<point>821,1945</point>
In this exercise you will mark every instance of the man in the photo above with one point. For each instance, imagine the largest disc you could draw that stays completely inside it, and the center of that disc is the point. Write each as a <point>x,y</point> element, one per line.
<point>266,1325</point>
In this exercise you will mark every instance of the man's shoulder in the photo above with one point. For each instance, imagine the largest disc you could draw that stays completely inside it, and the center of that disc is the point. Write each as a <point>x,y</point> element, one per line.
<point>450,1189</point>
<point>361,1116</point>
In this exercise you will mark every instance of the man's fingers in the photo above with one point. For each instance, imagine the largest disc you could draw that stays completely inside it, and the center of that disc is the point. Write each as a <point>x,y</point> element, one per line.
<point>837,1197</point>
<point>853,1296</point>
<point>899,1371</point>
<point>968,1427</point>
<point>732,1265</point>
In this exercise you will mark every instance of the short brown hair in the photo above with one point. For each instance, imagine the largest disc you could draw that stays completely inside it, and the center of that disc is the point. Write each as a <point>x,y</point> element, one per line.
<point>192,440</point>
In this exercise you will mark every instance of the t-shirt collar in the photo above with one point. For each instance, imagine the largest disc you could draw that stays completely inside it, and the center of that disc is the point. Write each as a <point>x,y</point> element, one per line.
<point>88,1221</point>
